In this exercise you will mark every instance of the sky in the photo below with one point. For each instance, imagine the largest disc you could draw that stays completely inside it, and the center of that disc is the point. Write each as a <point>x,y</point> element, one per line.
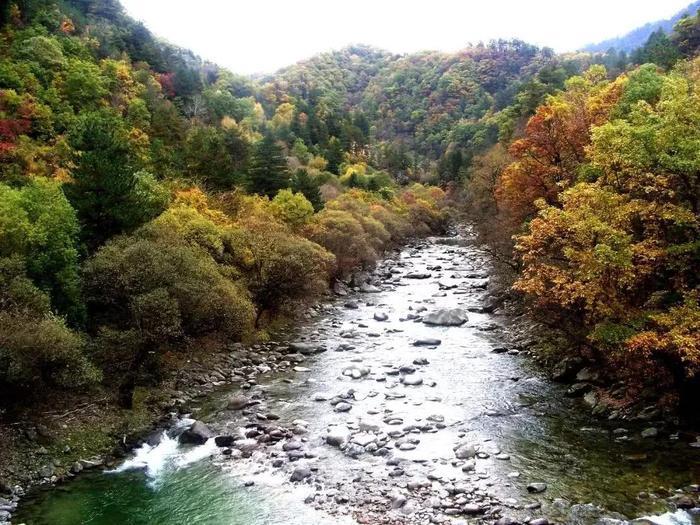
<point>261,36</point>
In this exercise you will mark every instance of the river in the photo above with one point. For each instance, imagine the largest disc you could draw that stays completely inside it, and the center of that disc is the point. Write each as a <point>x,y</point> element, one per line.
<point>528,452</point>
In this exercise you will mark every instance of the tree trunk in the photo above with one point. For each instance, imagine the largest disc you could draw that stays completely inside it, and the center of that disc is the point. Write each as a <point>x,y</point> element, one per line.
<point>128,384</point>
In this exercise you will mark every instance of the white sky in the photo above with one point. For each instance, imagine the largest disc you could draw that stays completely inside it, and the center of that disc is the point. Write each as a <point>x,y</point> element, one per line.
<point>260,36</point>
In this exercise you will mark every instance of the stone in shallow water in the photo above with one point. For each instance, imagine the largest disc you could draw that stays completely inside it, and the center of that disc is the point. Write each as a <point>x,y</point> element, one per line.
<point>536,487</point>
<point>197,434</point>
<point>412,380</point>
<point>446,317</point>
<point>306,348</point>
<point>427,342</point>
<point>300,474</point>
<point>466,451</point>
<point>381,316</point>
<point>343,407</point>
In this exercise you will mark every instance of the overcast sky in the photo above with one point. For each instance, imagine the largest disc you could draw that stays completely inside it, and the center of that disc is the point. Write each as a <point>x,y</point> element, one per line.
<point>260,36</point>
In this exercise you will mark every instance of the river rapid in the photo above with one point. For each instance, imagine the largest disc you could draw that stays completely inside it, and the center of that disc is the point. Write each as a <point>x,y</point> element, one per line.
<point>387,419</point>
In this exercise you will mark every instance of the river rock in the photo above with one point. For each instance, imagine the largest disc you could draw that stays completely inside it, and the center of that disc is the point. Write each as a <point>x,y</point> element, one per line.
<point>305,348</point>
<point>336,438</point>
<point>446,317</point>
<point>412,380</point>
<point>536,487</point>
<point>238,403</point>
<point>418,275</point>
<point>343,407</point>
<point>650,432</point>
<point>381,316</point>
<point>427,342</point>
<point>356,372</point>
<point>466,451</point>
<point>300,474</point>
<point>340,289</point>
<point>197,434</point>
<point>567,369</point>
<point>224,441</point>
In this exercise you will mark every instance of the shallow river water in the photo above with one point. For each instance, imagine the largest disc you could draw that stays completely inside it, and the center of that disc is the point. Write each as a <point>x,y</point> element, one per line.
<point>521,426</point>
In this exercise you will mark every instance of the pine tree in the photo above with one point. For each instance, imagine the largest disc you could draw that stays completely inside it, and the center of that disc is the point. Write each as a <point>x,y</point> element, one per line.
<point>304,184</point>
<point>268,168</point>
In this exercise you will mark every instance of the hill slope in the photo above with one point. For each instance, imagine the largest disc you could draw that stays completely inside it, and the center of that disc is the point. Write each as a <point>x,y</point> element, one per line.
<point>637,37</point>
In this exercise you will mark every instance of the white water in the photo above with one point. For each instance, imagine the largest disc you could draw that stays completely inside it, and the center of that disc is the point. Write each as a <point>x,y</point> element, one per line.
<point>168,455</point>
<point>680,517</point>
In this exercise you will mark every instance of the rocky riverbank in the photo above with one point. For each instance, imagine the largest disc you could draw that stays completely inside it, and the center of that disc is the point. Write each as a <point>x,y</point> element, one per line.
<point>411,399</point>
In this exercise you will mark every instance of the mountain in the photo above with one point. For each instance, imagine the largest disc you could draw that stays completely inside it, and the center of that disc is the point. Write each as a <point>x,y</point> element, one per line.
<point>637,37</point>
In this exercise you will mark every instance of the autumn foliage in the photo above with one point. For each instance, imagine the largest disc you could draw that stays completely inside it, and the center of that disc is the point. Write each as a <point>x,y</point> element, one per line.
<point>606,176</point>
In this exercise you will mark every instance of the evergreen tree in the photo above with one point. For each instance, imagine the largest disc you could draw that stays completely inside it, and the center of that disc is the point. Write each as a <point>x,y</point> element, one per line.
<point>268,169</point>
<point>335,155</point>
<point>304,184</point>
<point>659,50</point>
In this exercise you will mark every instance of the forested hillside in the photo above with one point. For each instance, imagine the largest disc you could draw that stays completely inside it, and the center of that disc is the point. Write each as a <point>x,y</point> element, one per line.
<point>637,37</point>
<point>149,198</point>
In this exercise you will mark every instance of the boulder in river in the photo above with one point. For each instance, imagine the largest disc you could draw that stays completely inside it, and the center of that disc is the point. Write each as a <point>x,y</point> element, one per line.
<point>305,348</point>
<point>224,441</point>
<point>446,317</point>
<point>238,403</point>
<point>300,474</point>
<point>380,316</point>
<point>466,451</point>
<point>536,487</point>
<point>197,434</point>
<point>428,341</point>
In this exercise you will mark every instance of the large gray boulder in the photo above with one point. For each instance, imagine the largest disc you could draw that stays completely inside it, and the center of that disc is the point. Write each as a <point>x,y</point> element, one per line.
<point>197,434</point>
<point>446,317</point>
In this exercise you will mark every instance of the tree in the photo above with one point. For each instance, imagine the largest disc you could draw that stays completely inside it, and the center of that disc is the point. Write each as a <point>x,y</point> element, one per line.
<point>686,35</point>
<point>109,190</point>
<point>307,186</point>
<point>292,209</point>
<point>164,282</point>
<point>37,349</point>
<point>659,49</point>
<point>38,224</point>
<point>548,157</point>
<point>267,173</point>
<point>335,155</point>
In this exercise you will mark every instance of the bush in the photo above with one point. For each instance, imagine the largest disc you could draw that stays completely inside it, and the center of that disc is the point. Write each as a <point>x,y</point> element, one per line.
<point>38,224</point>
<point>342,235</point>
<point>37,349</point>
<point>281,267</point>
<point>293,209</point>
<point>130,273</point>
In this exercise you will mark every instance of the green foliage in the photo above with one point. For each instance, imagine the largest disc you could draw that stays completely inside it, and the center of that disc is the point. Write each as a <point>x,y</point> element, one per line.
<point>268,172</point>
<point>37,349</point>
<point>109,190</point>
<point>616,257</point>
<point>38,224</point>
<point>292,209</point>
<point>304,184</point>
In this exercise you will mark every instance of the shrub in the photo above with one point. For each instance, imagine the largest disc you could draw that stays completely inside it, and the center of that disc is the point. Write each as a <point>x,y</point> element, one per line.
<point>37,349</point>
<point>293,209</point>
<point>342,235</point>
<point>280,267</point>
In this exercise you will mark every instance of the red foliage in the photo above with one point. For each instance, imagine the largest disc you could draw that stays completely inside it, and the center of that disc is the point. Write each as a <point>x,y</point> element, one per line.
<point>167,83</point>
<point>10,129</point>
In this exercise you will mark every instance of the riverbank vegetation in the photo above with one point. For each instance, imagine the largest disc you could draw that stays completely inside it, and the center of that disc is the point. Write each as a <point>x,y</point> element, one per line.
<point>600,191</point>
